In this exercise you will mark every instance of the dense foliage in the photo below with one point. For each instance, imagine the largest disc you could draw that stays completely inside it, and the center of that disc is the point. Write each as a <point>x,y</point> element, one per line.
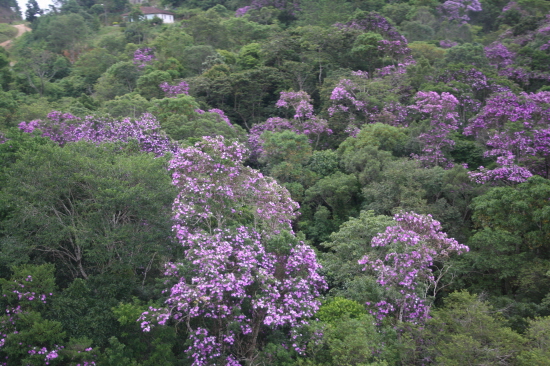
<point>276,182</point>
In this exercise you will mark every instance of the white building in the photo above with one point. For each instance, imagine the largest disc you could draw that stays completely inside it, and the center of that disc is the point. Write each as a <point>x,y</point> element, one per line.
<point>150,12</point>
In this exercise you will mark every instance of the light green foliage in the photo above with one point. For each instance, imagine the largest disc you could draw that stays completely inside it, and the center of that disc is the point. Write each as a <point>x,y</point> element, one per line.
<point>181,106</point>
<point>241,31</point>
<point>114,43</point>
<point>249,56</point>
<point>148,83</point>
<point>468,54</point>
<point>7,32</point>
<point>468,332</point>
<point>119,79</point>
<point>382,136</point>
<point>357,342</point>
<point>344,249</point>
<point>172,43</point>
<point>286,146</point>
<point>323,162</point>
<point>426,50</point>
<point>338,307</point>
<point>8,109</point>
<point>351,338</point>
<point>538,335</point>
<point>365,48</point>
<point>129,105</point>
<point>181,127</point>
<point>35,279</point>
<point>110,214</point>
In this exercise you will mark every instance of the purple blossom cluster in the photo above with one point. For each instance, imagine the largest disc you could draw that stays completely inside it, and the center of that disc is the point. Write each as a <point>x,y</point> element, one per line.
<point>458,9</point>
<point>522,75</point>
<point>143,57</point>
<point>417,250</point>
<point>513,5</point>
<point>225,216</point>
<point>219,112</point>
<point>394,49</point>
<point>440,109</point>
<point>348,98</point>
<point>400,68</point>
<point>515,129</point>
<point>21,293</point>
<point>64,128</point>
<point>304,121</point>
<point>374,22</point>
<point>172,91</point>
<point>447,44</point>
<point>498,55</point>
<point>242,11</point>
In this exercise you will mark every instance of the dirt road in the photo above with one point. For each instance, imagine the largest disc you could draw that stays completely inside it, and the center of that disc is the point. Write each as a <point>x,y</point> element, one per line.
<point>21,28</point>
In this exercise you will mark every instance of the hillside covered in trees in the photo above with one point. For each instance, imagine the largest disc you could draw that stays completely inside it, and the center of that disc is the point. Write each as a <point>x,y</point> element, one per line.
<point>276,182</point>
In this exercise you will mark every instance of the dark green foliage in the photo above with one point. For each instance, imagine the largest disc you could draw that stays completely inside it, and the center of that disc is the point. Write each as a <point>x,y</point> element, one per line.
<point>33,11</point>
<point>468,54</point>
<point>511,238</point>
<point>109,216</point>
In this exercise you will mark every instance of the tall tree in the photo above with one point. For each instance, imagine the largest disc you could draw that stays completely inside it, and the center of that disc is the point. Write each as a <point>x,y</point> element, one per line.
<point>33,10</point>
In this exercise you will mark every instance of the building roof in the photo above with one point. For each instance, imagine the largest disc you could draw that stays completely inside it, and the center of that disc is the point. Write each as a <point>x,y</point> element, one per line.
<point>151,10</point>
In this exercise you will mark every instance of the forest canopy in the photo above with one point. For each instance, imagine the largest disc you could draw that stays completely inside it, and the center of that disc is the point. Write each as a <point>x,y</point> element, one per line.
<point>275,182</point>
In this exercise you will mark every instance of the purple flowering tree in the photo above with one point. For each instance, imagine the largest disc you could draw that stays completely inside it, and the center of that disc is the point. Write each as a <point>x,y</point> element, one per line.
<point>411,271</point>
<point>499,56</point>
<point>515,130</point>
<point>457,10</point>
<point>304,121</point>
<point>64,128</point>
<point>172,91</point>
<point>447,43</point>
<point>349,99</point>
<point>440,110</point>
<point>245,272</point>
<point>25,337</point>
<point>144,57</point>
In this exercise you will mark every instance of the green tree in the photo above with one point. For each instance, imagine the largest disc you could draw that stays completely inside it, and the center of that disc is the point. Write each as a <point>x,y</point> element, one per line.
<point>110,214</point>
<point>33,10</point>
<point>345,248</point>
<point>467,331</point>
<point>513,226</point>
<point>91,65</point>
